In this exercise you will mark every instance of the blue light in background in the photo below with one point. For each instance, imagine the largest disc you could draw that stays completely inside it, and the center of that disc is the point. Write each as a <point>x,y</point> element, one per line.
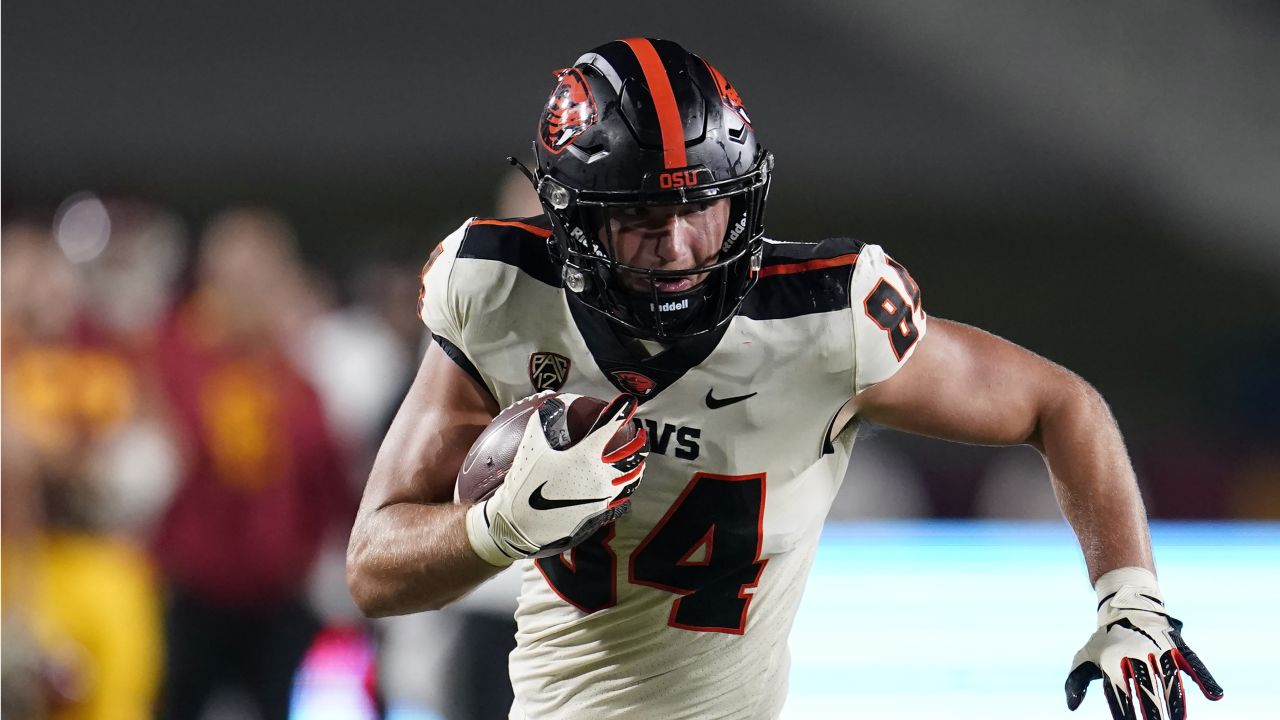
<point>981,619</point>
<point>333,681</point>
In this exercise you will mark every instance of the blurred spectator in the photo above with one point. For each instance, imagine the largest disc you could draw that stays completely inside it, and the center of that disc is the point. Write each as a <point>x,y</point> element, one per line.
<point>129,284</point>
<point>353,356</point>
<point>359,363</point>
<point>263,479</point>
<point>81,607</point>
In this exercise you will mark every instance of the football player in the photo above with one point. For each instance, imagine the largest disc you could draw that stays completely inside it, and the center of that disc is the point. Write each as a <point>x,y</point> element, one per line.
<point>748,362</point>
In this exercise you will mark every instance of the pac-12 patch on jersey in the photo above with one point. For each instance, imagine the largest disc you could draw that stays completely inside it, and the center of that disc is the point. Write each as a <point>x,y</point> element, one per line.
<point>548,370</point>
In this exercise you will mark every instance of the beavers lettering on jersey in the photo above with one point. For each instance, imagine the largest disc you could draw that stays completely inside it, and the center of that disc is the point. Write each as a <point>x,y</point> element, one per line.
<point>660,435</point>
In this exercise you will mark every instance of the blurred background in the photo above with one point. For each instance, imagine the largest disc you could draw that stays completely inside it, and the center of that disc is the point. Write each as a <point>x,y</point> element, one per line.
<point>213,221</point>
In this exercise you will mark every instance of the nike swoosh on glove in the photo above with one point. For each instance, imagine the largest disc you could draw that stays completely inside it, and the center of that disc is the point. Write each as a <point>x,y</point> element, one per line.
<point>552,499</point>
<point>1137,652</point>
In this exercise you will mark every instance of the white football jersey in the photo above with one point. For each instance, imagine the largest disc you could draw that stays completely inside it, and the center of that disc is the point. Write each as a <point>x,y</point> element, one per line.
<point>682,608</point>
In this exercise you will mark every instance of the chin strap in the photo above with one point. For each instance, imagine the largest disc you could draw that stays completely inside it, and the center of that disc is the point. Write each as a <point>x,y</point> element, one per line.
<point>675,311</point>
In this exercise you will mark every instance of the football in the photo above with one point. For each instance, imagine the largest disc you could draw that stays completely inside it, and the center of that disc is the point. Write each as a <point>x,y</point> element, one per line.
<point>566,418</point>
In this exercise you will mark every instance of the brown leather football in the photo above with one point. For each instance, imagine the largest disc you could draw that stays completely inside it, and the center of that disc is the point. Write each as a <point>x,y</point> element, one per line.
<point>566,418</point>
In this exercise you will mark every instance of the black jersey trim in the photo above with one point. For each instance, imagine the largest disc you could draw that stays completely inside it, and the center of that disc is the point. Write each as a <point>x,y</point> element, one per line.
<point>455,353</point>
<point>786,253</point>
<point>813,278</point>
<point>828,447</point>
<point>517,242</point>
<point>617,362</point>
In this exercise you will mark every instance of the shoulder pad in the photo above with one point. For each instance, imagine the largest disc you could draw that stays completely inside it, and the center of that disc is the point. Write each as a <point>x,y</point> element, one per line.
<point>802,278</point>
<point>787,253</point>
<point>518,242</point>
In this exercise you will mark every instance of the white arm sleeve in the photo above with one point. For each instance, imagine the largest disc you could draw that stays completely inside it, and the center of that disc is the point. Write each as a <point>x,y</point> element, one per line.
<point>888,319</point>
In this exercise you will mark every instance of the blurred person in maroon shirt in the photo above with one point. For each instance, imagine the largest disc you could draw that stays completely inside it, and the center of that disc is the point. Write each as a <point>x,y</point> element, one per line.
<point>263,481</point>
<point>86,465</point>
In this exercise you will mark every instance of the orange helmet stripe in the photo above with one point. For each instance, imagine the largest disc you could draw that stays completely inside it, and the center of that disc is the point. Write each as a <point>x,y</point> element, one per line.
<point>664,101</point>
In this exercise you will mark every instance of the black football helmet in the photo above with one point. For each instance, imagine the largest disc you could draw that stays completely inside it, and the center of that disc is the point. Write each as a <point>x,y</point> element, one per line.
<point>644,122</point>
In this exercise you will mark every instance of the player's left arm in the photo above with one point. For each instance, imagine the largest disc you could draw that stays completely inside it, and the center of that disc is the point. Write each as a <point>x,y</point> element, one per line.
<point>967,385</point>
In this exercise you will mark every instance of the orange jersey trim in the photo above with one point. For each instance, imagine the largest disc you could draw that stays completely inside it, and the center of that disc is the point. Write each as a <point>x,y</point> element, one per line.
<point>808,265</point>
<point>540,232</point>
<point>664,102</point>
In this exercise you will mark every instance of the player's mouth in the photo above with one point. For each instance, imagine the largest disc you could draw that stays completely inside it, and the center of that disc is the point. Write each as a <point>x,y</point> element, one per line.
<point>643,283</point>
<point>673,285</point>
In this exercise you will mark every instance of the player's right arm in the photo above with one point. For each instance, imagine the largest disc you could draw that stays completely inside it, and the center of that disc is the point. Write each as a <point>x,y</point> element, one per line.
<point>409,549</point>
<point>412,548</point>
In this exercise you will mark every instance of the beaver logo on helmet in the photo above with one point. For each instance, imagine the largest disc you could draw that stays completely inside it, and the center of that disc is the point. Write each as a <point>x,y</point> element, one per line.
<point>728,94</point>
<point>570,111</point>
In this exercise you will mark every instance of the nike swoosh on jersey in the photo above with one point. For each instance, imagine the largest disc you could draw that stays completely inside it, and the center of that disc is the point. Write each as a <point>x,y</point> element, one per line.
<point>716,403</point>
<point>538,501</point>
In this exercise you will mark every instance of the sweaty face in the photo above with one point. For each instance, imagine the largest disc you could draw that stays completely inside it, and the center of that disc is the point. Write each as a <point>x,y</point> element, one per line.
<point>667,237</point>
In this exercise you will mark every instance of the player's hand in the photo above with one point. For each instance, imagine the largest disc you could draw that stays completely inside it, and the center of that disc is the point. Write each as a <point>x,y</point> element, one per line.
<point>1137,652</point>
<point>554,499</point>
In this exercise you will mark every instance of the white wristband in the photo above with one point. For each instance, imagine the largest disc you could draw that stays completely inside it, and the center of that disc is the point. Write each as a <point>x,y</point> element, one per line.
<point>1135,577</point>
<point>481,541</point>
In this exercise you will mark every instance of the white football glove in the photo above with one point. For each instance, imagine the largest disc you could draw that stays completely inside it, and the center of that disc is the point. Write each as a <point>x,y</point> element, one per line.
<point>1137,652</point>
<point>553,499</point>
